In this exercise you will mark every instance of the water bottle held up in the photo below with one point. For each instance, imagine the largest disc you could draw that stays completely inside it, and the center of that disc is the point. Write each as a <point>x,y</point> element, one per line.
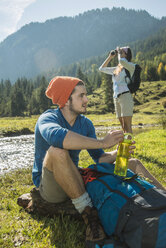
<point>123,155</point>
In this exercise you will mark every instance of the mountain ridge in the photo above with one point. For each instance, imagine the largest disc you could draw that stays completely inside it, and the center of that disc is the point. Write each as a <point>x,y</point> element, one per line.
<point>40,47</point>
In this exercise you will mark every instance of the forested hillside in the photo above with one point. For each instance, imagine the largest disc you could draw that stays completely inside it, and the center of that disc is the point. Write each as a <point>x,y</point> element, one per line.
<point>40,47</point>
<point>150,53</point>
<point>26,96</point>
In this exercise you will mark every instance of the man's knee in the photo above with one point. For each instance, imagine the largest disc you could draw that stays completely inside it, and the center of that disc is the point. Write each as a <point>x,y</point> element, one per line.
<point>55,155</point>
<point>134,164</point>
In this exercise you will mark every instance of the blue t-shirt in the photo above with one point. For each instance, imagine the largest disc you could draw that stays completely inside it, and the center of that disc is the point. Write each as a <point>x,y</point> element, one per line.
<point>51,129</point>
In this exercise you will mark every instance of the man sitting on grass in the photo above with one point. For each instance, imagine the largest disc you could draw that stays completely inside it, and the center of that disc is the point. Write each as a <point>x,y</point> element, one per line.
<point>60,135</point>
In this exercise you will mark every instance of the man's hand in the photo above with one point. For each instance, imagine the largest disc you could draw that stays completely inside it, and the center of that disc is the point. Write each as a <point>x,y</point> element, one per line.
<point>113,138</point>
<point>131,148</point>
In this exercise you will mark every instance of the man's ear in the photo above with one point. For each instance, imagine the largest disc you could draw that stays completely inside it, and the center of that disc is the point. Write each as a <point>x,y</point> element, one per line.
<point>67,103</point>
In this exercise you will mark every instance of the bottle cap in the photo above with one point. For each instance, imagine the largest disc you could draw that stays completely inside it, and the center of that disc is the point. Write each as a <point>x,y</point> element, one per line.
<point>128,137</point>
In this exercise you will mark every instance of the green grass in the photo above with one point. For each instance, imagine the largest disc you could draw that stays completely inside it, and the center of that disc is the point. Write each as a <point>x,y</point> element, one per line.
<point>150,96</point>
<point>20,229</point>
<point>18,125</point>
<point>151,150</point>
<point>149,99</point>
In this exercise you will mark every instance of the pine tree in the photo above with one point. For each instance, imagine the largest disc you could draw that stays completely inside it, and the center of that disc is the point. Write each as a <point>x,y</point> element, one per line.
<point>84,78</point>
<point>161,71</point>
<point>17,103</point>
<point>33,106</point>
<point>108,92</point>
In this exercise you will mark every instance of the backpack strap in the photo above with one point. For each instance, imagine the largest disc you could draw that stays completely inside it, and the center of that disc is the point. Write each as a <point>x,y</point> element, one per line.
<point>89,174</point>
<point>127,74</point>
<point>128,180</point>
<point>113,190</point>
<point>133,179</point>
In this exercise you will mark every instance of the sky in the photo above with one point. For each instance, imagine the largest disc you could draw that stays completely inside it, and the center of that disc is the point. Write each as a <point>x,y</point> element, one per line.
<point>16,13</point>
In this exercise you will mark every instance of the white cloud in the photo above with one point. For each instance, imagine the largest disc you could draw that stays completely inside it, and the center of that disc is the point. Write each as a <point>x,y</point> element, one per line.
<point>11,12</point>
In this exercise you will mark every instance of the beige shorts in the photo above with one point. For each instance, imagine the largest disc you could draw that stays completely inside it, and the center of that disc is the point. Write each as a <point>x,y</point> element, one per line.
<point>50,189</point>
<point>124,105</point>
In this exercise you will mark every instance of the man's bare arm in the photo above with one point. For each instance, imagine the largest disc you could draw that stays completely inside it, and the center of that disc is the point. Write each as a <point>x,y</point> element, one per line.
<point>74,141</point>
<point>108,157</point>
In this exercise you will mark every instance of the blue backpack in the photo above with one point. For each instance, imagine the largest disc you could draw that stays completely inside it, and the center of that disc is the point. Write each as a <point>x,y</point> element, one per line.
<point>130,209</point>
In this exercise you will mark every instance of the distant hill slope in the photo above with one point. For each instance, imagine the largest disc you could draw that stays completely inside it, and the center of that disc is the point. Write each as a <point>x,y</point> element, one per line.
<point>149,99</point>
<point>40,47</point>
<point>150,48</point>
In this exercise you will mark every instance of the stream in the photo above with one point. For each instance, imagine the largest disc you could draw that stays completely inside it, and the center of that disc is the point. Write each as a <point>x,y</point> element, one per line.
<point>18,152</point>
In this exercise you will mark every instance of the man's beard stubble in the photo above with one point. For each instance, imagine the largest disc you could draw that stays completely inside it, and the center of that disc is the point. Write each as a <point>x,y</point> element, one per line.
<point>73,110</point>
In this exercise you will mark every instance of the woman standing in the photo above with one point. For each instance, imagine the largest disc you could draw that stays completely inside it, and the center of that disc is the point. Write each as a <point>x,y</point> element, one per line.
<point>123,99</point>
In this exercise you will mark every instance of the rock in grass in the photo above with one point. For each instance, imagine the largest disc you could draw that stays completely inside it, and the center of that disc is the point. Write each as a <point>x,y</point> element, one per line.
<point>33,203</point>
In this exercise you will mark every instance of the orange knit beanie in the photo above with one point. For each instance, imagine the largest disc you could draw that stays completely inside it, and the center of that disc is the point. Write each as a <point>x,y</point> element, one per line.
<point>60,89</point>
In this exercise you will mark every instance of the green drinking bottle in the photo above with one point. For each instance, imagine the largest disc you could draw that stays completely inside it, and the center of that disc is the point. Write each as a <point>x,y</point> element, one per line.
<point>123,155</point>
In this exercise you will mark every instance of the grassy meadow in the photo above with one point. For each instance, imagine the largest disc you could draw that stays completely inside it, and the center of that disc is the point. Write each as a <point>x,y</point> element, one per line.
<point>20,229</point>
